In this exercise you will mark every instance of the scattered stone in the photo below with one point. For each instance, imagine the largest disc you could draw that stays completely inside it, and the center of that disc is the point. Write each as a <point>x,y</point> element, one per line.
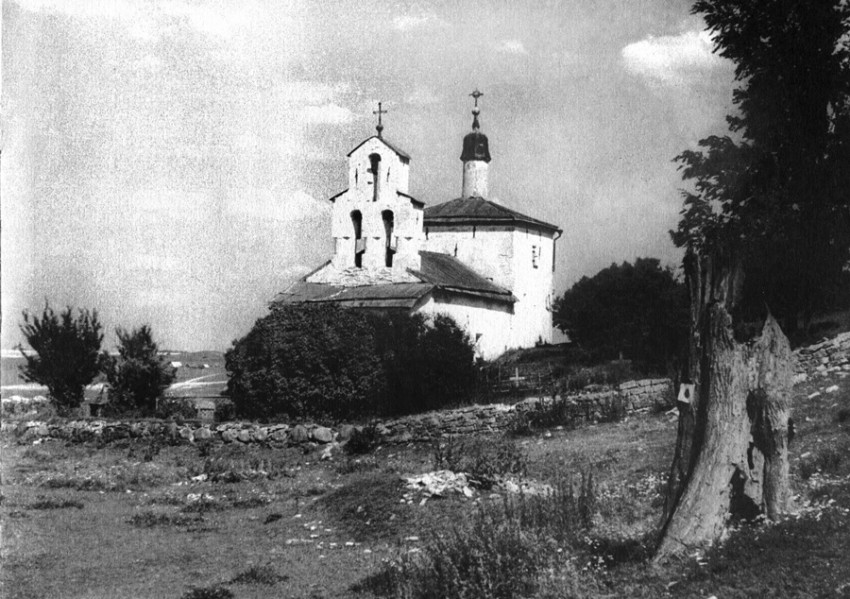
<point>831,389</point>
<point>244,436</point>
<point>203,434</point>
<point>228,436</point>
<point>440,483</point>
<point>814,395</point>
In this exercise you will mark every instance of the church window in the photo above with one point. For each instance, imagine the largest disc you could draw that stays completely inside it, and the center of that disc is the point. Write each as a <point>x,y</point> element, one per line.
<point>374,162</point>
<point>535,255</point>
<point>359,242</point>
<point>473,232</point>
<point>389,226</point>
<point>356,176</point>
<point>388,174</point>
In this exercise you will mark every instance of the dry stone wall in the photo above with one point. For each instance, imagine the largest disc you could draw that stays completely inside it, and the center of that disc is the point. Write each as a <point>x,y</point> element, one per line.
<point>590,406</point>
<point>820,359</point>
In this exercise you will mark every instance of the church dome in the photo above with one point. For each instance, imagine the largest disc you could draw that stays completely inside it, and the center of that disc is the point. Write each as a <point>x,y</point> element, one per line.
<point>475,146</point>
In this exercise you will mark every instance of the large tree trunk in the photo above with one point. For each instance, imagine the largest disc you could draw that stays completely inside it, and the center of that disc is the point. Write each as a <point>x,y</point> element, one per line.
<point>731,452</point>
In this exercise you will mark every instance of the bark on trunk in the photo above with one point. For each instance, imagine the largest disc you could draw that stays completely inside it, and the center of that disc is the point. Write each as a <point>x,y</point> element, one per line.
<point>731,452</point>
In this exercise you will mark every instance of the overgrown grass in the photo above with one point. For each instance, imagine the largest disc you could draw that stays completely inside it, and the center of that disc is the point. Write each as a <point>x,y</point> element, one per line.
<point>263,574</point>
<point>215,591</point>
<point>484,458</point>
<point>48,503</point>
<point>151,519</point>
<point>504,552</point>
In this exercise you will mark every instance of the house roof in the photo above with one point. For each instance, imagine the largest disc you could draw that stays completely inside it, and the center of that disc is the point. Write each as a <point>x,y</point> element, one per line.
<point>405,157</point>
<point>437,272</point>
<point>477,210</point>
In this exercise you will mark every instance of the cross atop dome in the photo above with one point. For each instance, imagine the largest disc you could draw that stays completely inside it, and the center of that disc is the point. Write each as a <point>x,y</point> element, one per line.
<point>475,110</point>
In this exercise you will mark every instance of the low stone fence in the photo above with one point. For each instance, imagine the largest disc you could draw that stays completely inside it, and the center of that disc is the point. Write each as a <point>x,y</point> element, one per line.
<point>832,355</point>
<point>589,406</point>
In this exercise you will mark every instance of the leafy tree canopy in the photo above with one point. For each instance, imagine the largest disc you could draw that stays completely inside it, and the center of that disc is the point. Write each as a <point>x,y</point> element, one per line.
<point>774,191</point>
<point>638,310</point>
<point>323,361</point>
<point>66,352</point>
<point>139,375</point>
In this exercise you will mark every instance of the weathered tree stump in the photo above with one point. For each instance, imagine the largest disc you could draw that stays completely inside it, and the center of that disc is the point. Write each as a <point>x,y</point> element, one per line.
<point>732,448</point>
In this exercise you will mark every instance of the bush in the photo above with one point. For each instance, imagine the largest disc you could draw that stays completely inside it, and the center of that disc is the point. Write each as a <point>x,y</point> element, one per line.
<point>138,376</point>
<point>305,361</point>
<point>484,459</point>
<point>428,364</point>
<point>177,408</point>
<point>365,440</point>
<point>67,353</point>
<point>326,362</point>
<point>225,411</point>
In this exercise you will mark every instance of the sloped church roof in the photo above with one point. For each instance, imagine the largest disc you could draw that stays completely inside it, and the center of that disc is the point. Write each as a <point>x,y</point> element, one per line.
<point>479,211</point>
<point>437,272</point>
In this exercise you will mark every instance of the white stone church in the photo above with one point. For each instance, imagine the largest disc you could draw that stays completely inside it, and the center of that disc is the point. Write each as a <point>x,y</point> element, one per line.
<point>487,266</point>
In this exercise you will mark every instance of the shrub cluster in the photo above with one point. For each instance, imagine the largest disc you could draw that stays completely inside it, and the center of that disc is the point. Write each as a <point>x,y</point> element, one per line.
<point>325,362</point>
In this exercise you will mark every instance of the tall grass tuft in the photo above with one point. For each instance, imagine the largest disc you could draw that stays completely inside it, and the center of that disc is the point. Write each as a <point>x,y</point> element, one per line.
<point>506,551</point>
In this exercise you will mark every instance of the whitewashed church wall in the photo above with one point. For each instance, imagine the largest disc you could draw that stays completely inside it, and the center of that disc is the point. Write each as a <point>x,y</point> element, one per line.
<point>393,173</point>
<point>488,323</point>
<point>532,286</point>
<point>487,250</point>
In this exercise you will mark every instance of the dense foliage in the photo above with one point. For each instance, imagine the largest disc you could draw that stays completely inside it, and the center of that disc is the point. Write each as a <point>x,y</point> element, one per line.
<point>66,353</point>
<point>774,193</point>
<point>305,361</point>
<point>139,375</point>
<point>635,311</point>
<point>322,361</point>
<point>427,364</point>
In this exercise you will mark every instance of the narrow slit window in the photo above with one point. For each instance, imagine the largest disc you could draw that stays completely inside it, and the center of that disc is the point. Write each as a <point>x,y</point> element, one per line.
<point>389,229</point>
<point>375,163</point>
<point>359,242</point>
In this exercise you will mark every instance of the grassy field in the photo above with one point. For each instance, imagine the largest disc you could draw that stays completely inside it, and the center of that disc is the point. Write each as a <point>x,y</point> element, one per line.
<point>135,520</point>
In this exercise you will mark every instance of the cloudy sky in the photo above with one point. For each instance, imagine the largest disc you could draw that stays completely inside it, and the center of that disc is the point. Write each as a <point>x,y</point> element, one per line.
<point>169,161</point>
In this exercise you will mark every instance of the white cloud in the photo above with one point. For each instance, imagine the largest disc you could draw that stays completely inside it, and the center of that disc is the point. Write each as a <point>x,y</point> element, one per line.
<point>672,59</point>
<point>511,47</point>
<point>412,22</point>
<point>332,114</point>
